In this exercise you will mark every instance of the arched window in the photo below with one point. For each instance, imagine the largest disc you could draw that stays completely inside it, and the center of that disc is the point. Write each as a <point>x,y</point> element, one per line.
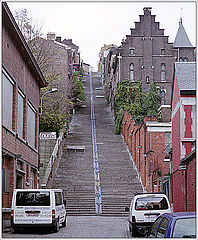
<point>163,72</point>
<point>131,72</point>
<point>162,97</point>
<point>185,59</point>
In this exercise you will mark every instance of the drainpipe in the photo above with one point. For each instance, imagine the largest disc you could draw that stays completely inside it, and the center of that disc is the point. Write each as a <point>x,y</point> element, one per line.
<point>145,172</point>
<point>186,189</point>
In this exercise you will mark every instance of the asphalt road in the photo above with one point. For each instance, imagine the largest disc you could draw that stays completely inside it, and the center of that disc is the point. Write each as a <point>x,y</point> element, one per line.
<point>80,227</point>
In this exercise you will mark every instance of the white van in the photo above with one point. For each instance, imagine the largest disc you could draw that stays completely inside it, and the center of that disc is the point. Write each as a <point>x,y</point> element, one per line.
<point>38,208</point>
<point>144,209</point>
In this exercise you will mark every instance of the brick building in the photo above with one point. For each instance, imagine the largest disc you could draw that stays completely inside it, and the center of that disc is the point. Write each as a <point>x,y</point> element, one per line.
<point>86,68</point>
<point>147,54</point>
<point>55,65</point>
<point>21,83</point>
<point>183,137</point>
<point>149,144</point>
<point>75,54</point>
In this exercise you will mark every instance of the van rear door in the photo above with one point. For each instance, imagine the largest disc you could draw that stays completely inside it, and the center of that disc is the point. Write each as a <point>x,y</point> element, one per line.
<point>32,207</point>
<point>150,207</point>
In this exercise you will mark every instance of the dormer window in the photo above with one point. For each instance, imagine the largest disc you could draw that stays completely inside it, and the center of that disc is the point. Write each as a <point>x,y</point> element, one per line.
<point>162,51</point>
<point>132,51</point>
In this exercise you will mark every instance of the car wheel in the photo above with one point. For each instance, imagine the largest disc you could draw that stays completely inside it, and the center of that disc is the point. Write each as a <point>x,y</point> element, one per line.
<point>56,227</point>
<point>134,233</point>
<point>65,222</point>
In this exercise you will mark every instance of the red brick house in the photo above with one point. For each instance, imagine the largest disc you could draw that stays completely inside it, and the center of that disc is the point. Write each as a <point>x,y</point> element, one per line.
<point>183,137</point>
<point>21,83</point>
<point>149,144</point>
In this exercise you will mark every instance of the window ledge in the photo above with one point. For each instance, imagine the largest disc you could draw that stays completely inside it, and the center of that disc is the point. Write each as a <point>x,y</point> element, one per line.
<point>6,210</point>
<point>9,130</point>
<point>166,160</point>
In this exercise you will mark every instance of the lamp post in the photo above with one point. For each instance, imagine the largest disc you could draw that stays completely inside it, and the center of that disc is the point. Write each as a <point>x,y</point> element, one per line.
<point>49,91</point>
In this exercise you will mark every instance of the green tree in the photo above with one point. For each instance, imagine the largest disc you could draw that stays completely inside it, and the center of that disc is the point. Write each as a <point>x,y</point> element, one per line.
<point>52,122</point>
<point>153,100</point>
<point>130,97</point>
<point>78,94</point>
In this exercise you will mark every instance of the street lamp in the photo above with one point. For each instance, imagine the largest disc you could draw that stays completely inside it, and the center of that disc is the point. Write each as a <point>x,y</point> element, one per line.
<point>52,90</point>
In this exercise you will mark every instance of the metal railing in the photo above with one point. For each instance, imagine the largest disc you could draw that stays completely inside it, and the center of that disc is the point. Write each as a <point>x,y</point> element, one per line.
<point>55,154</point>
<point>98,199</point>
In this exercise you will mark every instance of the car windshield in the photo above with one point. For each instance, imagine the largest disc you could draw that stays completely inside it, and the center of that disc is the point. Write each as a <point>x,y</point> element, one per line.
<point>185,228</point>
<point>33,198</point>
<point>151,203</point>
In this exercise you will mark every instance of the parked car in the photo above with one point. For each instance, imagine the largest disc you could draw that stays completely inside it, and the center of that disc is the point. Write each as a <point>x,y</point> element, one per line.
<point>174,225</point>
<point>38,208</point>
<point>144,209</point>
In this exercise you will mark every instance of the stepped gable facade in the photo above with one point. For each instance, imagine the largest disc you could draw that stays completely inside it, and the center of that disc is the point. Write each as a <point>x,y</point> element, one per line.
<point>147,54</point>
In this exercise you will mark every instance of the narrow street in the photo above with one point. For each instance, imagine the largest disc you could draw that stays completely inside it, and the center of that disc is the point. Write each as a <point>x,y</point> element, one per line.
<point>75,175</point>
<point>95,173</point>
<point>80,227</point>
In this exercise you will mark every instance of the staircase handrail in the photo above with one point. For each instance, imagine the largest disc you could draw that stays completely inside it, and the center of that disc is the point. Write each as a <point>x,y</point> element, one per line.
<point>54,155</point>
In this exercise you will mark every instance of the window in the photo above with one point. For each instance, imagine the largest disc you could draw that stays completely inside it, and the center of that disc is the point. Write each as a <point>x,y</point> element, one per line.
<point>147,79</point>
<point>154,227</point>
<point>8,90</point>
<point>6,180</point>
<point>151,203</point>
<point>162,228</point>
<point>163,72</point>
<point>58,198</point>
<point>20,115</point>
<point>168,144</point>
<point>132,51</point>
<point>33,198</point>
<point>31,126</point>
<point>162,97</point>
<point>32,178</point>
<point>185,228</point>
<point>131,72</point>
<point>162,51</point>
<point>185,59</point>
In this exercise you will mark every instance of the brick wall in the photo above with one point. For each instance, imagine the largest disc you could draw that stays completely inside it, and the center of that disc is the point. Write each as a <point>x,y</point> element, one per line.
<point>141,140</point>
<point>191,185</point>
<point>179,191</point>
<point>21,69</point>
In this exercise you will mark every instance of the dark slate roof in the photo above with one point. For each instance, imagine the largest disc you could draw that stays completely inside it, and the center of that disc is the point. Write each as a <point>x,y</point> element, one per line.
<point>186,75</point>
<point>181,39</point>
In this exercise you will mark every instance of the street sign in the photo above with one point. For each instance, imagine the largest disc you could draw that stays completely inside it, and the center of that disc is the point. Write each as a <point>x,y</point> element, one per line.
<point>47,135</point>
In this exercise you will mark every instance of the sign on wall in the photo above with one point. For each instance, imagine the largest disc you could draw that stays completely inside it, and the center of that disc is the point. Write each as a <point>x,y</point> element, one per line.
<point>47,135</point>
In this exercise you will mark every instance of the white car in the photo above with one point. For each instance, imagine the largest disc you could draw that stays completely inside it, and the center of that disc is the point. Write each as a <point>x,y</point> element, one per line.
<point>38,208</point>
<point>144,209</point>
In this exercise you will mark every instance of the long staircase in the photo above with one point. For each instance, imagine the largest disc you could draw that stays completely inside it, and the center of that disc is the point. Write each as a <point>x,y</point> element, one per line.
<point>75,174</point>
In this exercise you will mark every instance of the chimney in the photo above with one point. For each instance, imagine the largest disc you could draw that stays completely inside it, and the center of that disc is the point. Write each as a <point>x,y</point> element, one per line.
<point>147,10</point>
<point>69,41</point>
<point>58,39</point>
<point>51,36</point>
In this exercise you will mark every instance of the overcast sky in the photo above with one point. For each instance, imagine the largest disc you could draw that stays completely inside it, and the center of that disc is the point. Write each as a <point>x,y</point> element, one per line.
<point>92,24</point>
